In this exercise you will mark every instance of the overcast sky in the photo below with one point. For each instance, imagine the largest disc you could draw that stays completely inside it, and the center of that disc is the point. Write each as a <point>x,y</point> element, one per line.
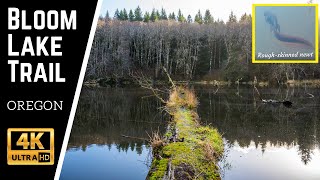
<point>219,9</point>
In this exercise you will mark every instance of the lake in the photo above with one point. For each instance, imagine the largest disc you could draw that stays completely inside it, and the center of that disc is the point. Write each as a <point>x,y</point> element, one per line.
<point>109,138</point>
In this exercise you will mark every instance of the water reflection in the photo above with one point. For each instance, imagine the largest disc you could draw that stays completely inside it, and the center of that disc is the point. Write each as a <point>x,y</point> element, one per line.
<point>255,129</point>
<point>274,162</point>
<point>105,162</point>
<point>102,117</point>
<point>275,141</point>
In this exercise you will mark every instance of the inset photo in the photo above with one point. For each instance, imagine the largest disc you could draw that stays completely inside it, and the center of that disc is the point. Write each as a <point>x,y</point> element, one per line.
<point>285,33</point>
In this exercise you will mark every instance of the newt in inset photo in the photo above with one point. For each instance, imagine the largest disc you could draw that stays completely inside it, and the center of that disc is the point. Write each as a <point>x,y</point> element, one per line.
<point>285,33</point>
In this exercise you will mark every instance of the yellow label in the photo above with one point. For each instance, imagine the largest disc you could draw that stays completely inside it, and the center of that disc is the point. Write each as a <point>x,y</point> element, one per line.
<point>30,146</point>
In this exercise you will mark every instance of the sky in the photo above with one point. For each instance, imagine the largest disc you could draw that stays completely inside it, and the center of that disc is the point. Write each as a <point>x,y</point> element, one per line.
<point>219,9</point>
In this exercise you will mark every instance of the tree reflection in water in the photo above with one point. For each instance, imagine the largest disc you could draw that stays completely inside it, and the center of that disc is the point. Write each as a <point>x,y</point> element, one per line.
<point>244,119</point>
<point>103,115</point>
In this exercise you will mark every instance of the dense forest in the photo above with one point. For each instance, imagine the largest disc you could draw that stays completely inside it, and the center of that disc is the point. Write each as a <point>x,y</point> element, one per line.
<point>199,48</point>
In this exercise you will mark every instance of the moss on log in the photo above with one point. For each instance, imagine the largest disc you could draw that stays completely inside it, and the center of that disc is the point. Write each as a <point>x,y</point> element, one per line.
<point>188,150</point>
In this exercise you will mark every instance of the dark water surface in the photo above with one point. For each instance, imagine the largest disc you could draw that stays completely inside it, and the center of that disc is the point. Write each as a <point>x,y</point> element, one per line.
<point>262,141</point>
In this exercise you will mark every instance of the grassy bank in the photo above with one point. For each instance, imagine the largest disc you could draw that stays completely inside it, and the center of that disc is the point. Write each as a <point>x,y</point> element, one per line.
<point>187,150</point>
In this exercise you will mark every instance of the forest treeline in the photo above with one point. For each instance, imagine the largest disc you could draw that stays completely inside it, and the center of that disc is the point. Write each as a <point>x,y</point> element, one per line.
<point>198,48</point>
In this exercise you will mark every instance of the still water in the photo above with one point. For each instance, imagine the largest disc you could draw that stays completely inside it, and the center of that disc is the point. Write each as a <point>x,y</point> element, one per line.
<point>261,141</point>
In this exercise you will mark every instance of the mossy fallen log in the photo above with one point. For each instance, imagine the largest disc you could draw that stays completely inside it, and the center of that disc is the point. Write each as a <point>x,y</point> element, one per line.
<point>188,150</point>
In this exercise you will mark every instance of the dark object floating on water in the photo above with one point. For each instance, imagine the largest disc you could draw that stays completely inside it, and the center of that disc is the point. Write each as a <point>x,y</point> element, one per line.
<point>287,104</point>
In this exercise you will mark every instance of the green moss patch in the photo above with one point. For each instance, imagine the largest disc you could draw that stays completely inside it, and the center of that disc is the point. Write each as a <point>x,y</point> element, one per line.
<point>159,168</point>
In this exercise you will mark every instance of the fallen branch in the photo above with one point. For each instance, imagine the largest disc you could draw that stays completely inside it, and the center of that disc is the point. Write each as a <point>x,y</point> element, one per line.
<point>255,88</point>
<point>145,139</point>
<point>172,83</point>
<point>188,149</point>
<point>146,83</point>
<point>272,101</point>
<point>215,92</point>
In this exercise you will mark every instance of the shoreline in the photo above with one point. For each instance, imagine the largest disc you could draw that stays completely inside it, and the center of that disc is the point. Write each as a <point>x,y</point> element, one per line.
<point>110,82</point>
